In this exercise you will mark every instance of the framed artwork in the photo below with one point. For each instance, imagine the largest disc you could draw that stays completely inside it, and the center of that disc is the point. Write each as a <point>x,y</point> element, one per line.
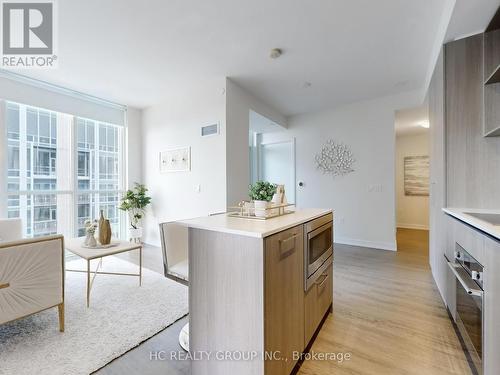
<point>416,175</point>
<point>175,160</point>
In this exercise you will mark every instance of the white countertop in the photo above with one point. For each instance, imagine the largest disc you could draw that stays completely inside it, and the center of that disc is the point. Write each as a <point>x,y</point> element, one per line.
<point>252,227</point>
<point>461,214</point>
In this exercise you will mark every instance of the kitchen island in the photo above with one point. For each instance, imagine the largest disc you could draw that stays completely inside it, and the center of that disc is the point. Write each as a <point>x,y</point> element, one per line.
<point>249,309</point>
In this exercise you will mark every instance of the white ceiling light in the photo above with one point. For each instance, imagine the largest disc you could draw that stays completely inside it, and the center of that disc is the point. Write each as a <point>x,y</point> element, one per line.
<point>423,124</point>
<point>275,53</point>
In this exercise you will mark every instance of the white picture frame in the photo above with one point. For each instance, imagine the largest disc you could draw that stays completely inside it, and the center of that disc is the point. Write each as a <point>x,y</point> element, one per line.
<point>175,160</point>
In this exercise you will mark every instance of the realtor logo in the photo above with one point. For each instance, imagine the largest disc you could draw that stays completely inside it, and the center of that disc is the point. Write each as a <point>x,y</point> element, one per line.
<point>28,34</point>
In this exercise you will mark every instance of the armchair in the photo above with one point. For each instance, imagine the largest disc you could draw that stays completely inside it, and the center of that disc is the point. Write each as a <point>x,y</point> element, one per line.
<point>31,273</point>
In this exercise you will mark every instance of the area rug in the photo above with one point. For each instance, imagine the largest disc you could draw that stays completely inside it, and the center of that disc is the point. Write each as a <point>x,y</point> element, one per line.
<point>121,315</point>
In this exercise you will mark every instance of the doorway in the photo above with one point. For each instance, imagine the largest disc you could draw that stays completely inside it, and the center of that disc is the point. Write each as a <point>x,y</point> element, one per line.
<point>412,174</point>
<point>277,165</point>
<point>272,154</point>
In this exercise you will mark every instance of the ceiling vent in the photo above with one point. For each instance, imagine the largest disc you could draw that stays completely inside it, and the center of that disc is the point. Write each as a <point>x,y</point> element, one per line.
<point>210,130</point>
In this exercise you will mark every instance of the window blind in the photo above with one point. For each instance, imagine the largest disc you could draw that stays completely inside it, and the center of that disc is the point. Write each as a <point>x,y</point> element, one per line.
<point>21,89</point>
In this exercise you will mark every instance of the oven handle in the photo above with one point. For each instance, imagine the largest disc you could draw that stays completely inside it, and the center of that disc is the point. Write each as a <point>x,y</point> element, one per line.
<point>461,275</point>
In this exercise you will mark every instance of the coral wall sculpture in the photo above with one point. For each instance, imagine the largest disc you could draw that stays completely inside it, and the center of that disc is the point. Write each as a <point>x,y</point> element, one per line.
<point>335,158</point>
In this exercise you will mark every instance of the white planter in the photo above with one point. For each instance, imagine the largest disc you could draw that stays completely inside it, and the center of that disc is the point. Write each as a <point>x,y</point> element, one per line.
<point>135,233</point>
<point>260,208</point>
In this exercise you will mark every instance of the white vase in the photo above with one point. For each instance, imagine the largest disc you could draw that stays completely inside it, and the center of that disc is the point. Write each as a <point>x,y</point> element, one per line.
<point>86,241</point>
<point>90,240</point>
<point>135,233</point>
<point>260,208</point>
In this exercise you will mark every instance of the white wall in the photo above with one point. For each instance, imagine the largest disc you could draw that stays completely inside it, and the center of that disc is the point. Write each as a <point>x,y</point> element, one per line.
<point>362,217</point>
<point>239,103</point>
<point>176,123</point>
<point>412,211</point>
<point>134,146</point>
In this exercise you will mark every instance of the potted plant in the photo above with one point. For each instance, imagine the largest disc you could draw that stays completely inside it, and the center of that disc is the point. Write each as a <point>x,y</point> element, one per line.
<point>261,193</point>
<point>134,202</point>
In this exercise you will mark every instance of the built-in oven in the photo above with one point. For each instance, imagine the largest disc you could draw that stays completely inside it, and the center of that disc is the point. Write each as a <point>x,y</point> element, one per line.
<point>318,247</point>
<point>469,304</point>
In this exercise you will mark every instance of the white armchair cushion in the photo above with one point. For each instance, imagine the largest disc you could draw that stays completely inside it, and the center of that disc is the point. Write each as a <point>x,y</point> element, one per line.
<point>11,229</point>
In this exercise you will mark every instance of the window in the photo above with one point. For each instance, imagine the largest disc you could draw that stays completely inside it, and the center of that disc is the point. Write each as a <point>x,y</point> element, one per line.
<point>13,160</point>
<point>13,121</point>
<point>41,155</point>
<point>98,172</point>
<point>83,164</point>
<point>44,162</point>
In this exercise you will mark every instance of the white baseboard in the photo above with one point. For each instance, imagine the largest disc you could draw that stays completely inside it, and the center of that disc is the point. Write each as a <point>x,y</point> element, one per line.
<point>151,243</point>
<point>412,226</point>
<point>363,243</point>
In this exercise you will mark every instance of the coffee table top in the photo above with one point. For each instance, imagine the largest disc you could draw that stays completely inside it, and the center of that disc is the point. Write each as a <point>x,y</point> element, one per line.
<point>75,245</point>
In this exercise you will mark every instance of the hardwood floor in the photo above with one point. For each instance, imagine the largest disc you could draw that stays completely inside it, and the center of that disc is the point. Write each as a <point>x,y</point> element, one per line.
<point>387,313</point>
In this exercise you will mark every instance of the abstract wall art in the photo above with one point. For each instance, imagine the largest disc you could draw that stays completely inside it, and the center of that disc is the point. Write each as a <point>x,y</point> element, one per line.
<point>175,160</point>
<point>416,175</point>
<point>335,159</point>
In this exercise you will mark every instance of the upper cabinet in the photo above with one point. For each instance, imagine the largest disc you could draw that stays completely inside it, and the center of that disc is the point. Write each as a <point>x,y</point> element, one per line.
<point>491,73</point>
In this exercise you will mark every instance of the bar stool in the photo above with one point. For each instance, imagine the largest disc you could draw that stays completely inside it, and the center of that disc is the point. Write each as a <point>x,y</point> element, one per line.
<point>174,244</point>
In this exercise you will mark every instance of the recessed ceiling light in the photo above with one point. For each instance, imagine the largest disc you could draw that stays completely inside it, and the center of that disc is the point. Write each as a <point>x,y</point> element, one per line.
<point>275,53</point>
<point>401,84</point>
<point>423,124</point>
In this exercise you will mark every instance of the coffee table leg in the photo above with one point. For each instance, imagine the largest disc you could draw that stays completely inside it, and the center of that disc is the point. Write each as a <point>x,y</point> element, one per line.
<point>140,266</point>
<point>88,283</point>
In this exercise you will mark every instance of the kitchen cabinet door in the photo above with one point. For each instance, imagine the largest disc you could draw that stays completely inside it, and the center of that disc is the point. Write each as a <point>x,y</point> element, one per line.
<point>451,280</point>
<point>491,306</point>
<point>437,188</point>
<point>284,298</point>
<point>318,300</point>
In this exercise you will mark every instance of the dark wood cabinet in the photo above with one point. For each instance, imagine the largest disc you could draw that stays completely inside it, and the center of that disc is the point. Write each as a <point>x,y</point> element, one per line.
<point>491,77</point>
<point>472,160</point>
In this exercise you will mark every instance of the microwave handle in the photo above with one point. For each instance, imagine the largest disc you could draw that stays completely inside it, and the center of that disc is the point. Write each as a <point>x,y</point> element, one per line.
<point>319,230</point>
<point>468,285</point>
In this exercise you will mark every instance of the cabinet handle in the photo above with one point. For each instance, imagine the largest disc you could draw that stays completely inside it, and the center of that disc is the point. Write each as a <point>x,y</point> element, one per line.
<point>6,285</point>
<point>287,247</point>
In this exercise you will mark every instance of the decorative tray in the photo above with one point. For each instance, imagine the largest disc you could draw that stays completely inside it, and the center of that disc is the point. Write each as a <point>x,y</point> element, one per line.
<point>246,210</point>
<point>99,246</point>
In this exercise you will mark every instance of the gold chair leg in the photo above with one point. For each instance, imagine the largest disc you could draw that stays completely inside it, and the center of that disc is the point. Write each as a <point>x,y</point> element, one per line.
<point>60,309</point>
<point>88,283</point>
<point>140,266</point>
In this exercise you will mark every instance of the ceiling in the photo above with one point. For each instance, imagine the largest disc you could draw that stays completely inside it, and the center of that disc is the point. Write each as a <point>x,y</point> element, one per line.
<point>139,53</point>
<point>261,124</point>
<point>470,17</point>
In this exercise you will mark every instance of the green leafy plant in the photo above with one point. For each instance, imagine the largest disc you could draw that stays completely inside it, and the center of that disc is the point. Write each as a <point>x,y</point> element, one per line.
<point>262,191</point>
<point>134,202</point>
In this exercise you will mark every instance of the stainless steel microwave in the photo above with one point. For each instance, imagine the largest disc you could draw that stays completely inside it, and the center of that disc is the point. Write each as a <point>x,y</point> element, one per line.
<point>318,247</point>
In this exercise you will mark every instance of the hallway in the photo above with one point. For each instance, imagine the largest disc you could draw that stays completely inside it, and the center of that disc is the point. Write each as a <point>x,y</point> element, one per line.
<point>388,314</point>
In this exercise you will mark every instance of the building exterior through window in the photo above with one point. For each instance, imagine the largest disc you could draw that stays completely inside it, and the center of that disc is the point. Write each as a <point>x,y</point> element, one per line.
<point>62,170</point>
